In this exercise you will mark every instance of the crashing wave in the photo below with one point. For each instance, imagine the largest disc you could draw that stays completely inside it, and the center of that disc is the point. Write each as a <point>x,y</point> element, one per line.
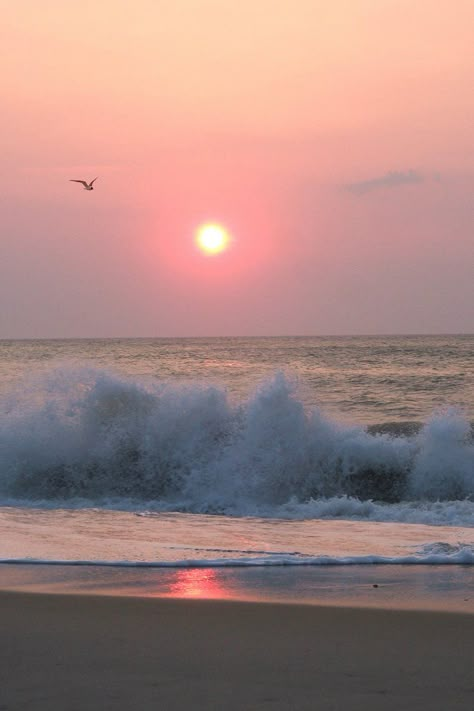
<point>88,435</point>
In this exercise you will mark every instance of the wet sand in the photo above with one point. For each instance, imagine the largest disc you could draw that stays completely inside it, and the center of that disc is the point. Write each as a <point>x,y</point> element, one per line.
<point>80,653</point>
<point>417,587</point>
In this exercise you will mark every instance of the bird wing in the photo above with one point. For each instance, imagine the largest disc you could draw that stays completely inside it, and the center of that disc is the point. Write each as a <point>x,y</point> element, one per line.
<point>92,182</point>
<point>83,182</point>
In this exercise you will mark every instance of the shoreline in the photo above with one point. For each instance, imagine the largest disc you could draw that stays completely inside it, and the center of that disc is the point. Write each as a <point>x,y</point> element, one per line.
<point>435,588</point>
<point>97,652</point>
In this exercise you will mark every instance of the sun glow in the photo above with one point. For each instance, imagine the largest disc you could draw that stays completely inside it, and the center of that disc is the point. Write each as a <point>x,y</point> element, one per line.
<point>212,238</point>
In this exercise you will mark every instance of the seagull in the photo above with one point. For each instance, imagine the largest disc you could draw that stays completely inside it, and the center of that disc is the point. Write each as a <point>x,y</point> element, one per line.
<point>87,186</point>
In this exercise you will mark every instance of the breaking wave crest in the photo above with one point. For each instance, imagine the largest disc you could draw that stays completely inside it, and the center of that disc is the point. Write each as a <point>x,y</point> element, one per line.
<point>93,438</point>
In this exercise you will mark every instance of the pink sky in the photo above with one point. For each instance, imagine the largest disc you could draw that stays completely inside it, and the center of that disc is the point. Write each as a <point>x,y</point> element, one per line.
<point>334,140</point>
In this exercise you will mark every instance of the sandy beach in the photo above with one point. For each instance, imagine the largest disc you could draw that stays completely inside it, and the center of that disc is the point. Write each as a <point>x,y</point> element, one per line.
<point>74,652</point>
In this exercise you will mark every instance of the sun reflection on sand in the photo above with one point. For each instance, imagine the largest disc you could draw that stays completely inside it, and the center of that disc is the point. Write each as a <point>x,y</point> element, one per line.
<point>198,583</point>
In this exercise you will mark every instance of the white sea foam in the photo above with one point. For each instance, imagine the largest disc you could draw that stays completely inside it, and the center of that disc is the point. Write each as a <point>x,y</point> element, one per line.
<point>462,556</point>
<point>88,438</point>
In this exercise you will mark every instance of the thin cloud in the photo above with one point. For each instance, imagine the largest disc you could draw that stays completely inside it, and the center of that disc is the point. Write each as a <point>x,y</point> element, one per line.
<point>392,179</point>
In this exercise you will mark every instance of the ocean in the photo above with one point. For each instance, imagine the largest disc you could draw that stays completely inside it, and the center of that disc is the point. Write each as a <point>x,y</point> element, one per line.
<point>212,454</point>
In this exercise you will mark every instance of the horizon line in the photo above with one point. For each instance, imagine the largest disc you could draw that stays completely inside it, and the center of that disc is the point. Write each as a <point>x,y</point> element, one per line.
<point>203,337</point>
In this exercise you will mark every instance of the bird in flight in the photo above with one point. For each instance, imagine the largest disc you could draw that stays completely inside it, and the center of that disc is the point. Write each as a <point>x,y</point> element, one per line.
<point>87,186</point>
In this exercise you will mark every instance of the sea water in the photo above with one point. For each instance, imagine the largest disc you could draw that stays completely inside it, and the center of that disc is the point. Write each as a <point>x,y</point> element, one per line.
<point>195,454</point>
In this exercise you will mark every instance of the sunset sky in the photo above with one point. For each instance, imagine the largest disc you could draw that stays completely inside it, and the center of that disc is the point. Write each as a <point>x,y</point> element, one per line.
<point>333,141</point>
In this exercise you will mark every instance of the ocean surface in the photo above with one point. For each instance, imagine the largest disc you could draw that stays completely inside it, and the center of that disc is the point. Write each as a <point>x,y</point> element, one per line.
<point>222,452</point>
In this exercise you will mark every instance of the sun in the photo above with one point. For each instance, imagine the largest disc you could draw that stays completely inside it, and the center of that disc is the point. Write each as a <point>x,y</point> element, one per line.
<point>212,238</point>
